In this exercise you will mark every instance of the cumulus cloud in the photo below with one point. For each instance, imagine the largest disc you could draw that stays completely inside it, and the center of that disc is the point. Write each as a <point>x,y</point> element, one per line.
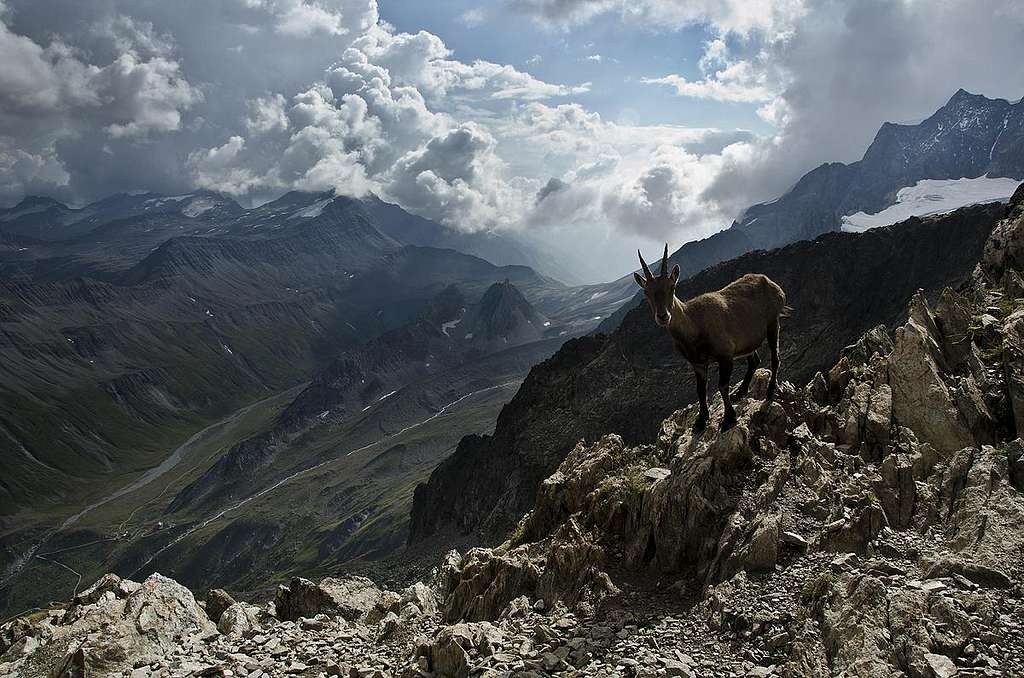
<point>257,97</point>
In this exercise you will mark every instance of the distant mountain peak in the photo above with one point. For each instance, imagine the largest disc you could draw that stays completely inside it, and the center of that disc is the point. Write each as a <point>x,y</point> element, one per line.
<point>503,315</point>
<point>38,201</point>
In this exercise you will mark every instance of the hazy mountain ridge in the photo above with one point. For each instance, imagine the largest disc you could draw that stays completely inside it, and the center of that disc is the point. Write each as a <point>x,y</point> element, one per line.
<point>200,323</point>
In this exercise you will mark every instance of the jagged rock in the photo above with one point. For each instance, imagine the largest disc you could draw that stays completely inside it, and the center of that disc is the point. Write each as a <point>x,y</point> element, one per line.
<point>763,550</point>
<point>445,576</point>
<point>954,317</point>
<point>487,581</point>
<point>695,497</point>
<point>1004,248</point>
<point>921,400</point>
<point>235,621</point>
<point>1013,365</point>
<point>984,510</point>
<point>856,629</point>
<point>565,567</point>
<point>420,595</point>
<point>349,597</point>
<point>112,624</point>
<point>582,484</point>
<point>217,601</point>
<point>387,626</point>
<point>572,569</point>
<point>896,490</point>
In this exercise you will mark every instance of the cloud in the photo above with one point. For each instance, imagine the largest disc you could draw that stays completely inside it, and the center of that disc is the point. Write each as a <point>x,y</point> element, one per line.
<point>740,81</point>
<point>752,80</point>
<point>739,16</point>
<point>472,18</point>
<point>257,97</point>
<point>266,114</point>
<point>554,185</point>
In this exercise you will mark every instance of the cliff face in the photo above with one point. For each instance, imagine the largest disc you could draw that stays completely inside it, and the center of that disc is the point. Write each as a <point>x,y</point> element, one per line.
<point>839,285</point>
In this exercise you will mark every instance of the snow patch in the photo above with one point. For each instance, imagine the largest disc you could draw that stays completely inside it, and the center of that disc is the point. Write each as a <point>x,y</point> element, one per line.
<point>198,206</point>
<point>386,395</point>
<point>933,196</point>
<point>597,295</point>
<point>314,210</point>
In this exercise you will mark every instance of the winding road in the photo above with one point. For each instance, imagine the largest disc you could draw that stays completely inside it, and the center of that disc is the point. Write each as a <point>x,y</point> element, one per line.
<point>200,525</point>
<point>146,478</point>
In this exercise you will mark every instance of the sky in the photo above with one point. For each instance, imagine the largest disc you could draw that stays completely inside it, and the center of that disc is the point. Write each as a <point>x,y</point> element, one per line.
<point>596,126</point>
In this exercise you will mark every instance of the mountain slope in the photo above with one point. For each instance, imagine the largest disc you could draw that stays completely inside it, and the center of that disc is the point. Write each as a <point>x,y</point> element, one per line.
<point>867,524</point>
<point>839,285</point>
<point>198,326</point>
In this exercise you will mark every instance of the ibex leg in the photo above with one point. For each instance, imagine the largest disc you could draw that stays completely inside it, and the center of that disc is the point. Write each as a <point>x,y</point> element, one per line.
<point>753,361</point>
<point>724,375</point>
<point>701,374</point>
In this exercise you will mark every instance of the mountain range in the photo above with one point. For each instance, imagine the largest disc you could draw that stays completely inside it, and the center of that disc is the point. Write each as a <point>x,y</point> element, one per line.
<point>236,395</point>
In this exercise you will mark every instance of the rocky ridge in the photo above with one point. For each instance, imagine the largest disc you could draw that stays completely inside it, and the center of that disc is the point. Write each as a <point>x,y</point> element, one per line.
<point>867,524</point>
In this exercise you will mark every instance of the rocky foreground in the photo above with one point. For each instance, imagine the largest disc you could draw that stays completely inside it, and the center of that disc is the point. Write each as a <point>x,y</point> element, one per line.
<point>869,524</point>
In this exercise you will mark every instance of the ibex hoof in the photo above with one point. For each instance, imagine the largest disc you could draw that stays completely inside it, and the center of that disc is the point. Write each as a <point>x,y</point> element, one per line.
<point>700,425</point>
<point>728,423</point>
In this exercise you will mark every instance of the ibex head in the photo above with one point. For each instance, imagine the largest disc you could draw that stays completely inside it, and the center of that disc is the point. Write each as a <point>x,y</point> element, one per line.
<point>660,291</point>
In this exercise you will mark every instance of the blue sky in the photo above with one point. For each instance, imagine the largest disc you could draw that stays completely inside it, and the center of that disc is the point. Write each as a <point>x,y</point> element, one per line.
<point>442,107</point>
<point>628,53</point>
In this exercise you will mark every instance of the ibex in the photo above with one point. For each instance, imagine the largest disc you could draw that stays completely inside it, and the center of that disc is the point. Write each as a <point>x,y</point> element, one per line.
<point>718,326</point>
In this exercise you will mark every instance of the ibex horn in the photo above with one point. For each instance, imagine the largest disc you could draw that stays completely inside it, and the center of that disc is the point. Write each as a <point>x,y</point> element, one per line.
<point>647,271</point>
<point>664,262</point>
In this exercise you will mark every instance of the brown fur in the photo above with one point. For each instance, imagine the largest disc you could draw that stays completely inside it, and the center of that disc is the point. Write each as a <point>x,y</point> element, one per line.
<point>719,327</point>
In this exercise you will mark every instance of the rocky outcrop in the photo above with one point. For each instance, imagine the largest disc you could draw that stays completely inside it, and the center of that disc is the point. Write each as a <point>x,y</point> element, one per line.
<point>108,627</point>
<point>883,488</point>
<point>631,380</point>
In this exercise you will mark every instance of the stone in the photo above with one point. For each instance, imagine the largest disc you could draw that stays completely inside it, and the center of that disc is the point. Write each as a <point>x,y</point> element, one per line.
<point>348,597</point>
<point>656,474</point>
<point>676,668</point>
<point>234,621</point>
<point>217,601</point>
<point>941,665</point>
<point>763,550</point>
